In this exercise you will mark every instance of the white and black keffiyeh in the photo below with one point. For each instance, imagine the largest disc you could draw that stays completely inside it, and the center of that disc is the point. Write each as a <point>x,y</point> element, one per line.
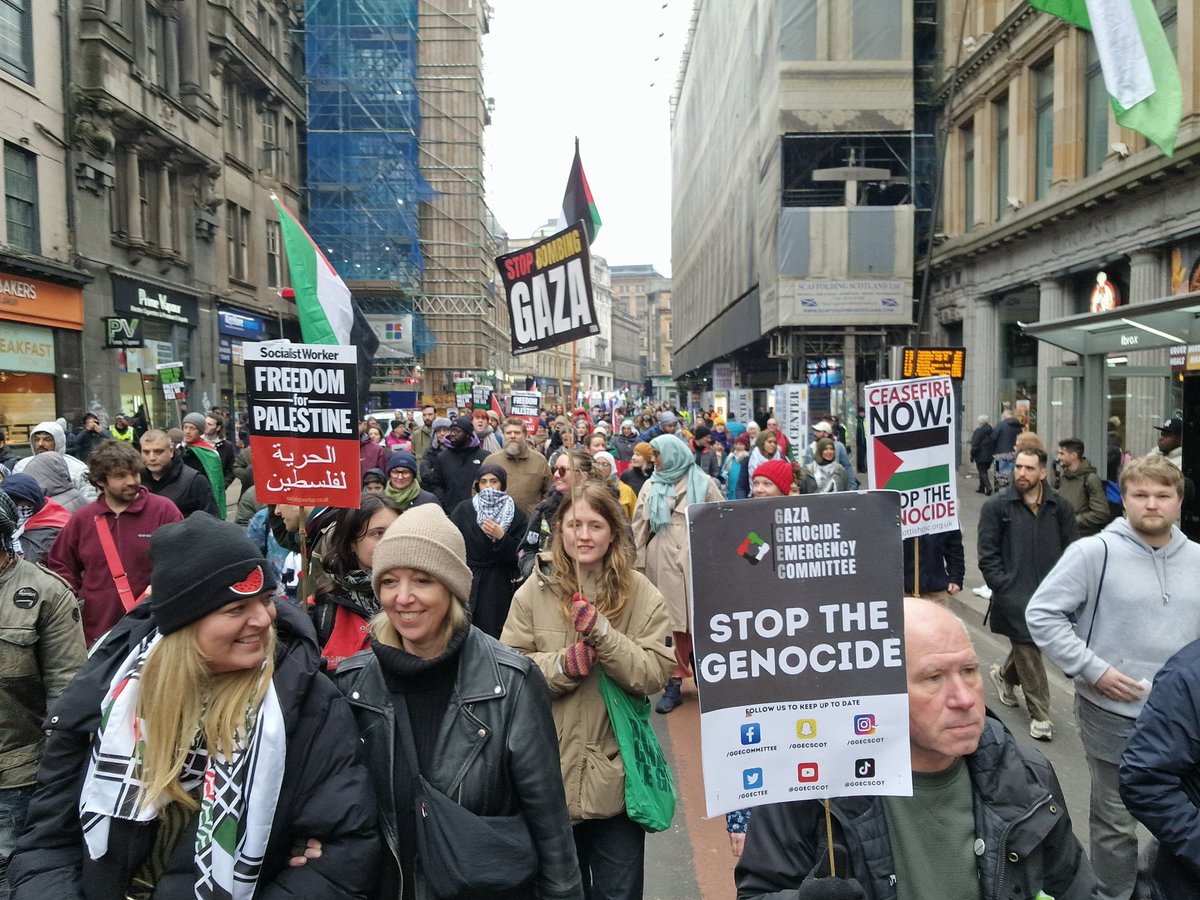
<point>495,505</point>
<point>239,795</point>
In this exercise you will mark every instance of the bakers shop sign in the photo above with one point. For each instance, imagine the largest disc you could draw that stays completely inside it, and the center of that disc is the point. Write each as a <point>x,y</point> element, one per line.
<point>16,289</point>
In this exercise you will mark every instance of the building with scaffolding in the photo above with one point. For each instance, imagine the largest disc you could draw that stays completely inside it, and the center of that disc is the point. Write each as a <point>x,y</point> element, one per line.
<point>794,223</point>
<point>395,184</point>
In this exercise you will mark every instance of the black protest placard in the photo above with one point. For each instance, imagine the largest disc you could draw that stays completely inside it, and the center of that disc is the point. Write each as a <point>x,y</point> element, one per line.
<point>303,401</point>
<point>798,631</point>
<point>549,290</point>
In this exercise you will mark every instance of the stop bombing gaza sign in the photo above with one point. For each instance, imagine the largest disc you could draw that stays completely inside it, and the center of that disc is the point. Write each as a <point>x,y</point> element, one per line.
<point>549,290</point>
<point>910,449</point>
<point>798,631</point>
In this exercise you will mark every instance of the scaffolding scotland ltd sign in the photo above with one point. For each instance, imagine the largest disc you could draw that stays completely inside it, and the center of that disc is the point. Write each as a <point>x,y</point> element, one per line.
<point>549,291</point>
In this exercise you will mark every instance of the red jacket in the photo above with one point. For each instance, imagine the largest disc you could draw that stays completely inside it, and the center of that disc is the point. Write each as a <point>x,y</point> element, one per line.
<point>78,557</point>
<point>371,456</point>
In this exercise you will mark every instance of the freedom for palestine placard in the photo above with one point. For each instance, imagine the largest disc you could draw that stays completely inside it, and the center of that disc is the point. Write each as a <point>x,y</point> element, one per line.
<point>798,631</point>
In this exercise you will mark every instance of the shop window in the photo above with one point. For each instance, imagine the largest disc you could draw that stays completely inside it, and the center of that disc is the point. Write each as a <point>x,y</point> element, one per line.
<point>16,39</point>
<point>1043,78</point>
<point>20,199</point>
<point>237,229</point>
<point>1000,112</point>
<point>1095,140</point>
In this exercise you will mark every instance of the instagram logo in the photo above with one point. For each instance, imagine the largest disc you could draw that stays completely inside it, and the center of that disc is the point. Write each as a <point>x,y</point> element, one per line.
<point>864,724</point>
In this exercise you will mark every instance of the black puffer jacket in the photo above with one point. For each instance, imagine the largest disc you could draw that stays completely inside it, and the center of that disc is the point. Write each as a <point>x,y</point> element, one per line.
<point>497,755</point>
<point>183,486</point>
<point>325,793</point>
<point>1020,817</point>
<point>452,473</point>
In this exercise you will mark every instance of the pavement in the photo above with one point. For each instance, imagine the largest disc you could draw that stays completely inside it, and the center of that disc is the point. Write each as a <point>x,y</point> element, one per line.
<point>692,859</point>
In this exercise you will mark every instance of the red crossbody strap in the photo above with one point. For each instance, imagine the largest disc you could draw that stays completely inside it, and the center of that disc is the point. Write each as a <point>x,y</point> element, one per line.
<point>115,568</point>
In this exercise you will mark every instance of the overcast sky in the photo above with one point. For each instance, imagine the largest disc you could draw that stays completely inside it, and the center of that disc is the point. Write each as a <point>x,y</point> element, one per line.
<point>599,71</point>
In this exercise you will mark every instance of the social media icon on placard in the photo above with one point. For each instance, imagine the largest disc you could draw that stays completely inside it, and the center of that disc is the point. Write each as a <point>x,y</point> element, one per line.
<point>752,779</point>
<point>864,768</point>
<point>864,723</point>
<point>751,733</point>
<point>806,729</point>
<point>807,771</point>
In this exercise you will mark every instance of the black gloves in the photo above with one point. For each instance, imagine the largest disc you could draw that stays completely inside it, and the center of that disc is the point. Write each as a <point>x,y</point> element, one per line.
<point>818,885</point>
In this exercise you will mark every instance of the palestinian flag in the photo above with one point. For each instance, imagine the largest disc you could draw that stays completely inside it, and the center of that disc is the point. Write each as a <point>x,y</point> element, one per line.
<point>210,462</point>
<point>1139,68</point>
<point>327,311</point>
<point>577,201</point>
<point>911,460</point>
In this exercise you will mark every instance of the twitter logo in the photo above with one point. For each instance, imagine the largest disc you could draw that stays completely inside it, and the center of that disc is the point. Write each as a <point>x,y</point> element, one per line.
<point>752,779</point>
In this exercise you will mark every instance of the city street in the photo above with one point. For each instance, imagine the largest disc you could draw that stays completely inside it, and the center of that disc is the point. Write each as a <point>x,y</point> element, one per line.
<point>692,859</point>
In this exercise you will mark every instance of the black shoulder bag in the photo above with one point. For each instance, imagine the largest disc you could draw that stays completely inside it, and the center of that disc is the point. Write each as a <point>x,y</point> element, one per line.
<point>459,853</point>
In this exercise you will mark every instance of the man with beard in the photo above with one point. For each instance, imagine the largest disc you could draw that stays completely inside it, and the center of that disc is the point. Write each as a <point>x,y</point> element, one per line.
<point>1023,530</point>
<point>422,437</point>
<point>453,471</point>
<point>1111,613</point>
<point>103,552</point>
<point>168,477</point>
<point>49,437</point>
<point>528,472</point>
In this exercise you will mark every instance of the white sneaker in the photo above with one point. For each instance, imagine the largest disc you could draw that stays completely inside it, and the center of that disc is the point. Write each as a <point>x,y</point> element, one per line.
<point>985,592</point>
<point>1008,693</point>
<point>1041,730</point>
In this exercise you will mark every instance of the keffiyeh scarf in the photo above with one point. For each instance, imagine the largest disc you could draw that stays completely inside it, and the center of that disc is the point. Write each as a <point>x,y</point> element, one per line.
<point>495,505</point>
<point>239,796</point>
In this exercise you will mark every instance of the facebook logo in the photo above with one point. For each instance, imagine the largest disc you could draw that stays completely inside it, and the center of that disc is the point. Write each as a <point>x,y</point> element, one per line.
<point>752,779</point>
<point>751,733</point>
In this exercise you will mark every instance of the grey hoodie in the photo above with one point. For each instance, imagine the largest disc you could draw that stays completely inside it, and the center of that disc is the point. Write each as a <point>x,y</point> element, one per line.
<point>50,471</point>
<point>77,469</point>
<point>1149,609</point>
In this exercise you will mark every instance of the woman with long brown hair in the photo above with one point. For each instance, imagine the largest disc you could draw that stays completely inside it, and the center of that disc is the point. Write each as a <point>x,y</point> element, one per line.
<point>198,745</point>
<point>585,608</point>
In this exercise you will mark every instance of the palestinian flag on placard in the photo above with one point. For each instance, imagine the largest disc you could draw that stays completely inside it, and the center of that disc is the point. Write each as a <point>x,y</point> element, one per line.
<point>210,461</point>
<point>577,201</point>
<point>912,459</point>
<point>496,406</point>
<point>1139,68</point>
<point>327,311</point>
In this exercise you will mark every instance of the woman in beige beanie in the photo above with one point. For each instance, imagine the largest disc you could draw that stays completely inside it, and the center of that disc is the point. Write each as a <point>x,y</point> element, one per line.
<point>437,698</point>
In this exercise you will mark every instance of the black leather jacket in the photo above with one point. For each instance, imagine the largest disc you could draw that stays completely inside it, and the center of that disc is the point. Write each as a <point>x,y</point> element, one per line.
<point>1024,843</point>
<point>497,755</point>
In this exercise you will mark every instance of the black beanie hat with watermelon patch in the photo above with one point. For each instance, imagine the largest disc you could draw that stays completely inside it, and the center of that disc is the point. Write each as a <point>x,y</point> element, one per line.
<point>201,564</point>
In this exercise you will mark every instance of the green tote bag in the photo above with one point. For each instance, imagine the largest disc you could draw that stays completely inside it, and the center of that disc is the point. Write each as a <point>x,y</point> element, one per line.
<point>649,787</point>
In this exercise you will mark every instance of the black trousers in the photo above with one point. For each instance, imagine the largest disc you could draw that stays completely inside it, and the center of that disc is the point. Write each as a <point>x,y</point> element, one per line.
<point>985,474</point>
<point>612,857</point>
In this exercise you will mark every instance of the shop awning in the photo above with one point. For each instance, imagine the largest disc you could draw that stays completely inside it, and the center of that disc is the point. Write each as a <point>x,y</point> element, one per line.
<point>1144,326</point>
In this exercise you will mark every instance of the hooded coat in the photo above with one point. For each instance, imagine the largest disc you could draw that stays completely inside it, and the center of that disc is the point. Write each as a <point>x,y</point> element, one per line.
<point>76,469</point>
<point>50,471</point>
<point>325,793</point>
<point>453,471</point>
<point>1083,489</point>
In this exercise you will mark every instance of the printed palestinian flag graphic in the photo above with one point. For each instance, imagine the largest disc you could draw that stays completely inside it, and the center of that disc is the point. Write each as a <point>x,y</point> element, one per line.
<point>912,459</point>
<point>578,202</point>
<point>210,459</point>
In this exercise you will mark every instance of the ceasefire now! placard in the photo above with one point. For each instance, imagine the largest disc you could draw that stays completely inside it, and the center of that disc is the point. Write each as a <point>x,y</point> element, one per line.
<point>798,631</point>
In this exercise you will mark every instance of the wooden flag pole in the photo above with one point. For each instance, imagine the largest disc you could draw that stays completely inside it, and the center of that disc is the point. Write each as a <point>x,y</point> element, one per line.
<point>303,587</point>
<point>829,839</point>
<point>573,403</point>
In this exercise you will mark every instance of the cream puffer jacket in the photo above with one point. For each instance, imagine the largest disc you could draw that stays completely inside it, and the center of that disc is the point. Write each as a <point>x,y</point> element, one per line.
<point>632,651</point>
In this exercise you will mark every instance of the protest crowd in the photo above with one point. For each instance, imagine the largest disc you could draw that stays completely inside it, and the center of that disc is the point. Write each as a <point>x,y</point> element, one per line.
<point>436,693</point>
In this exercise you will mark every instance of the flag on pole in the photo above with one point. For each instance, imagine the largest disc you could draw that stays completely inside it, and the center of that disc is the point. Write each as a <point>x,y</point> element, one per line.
<point>210,460</point>
<point>1139,68</point>
<point>327,311</point>
<point>577,201</point>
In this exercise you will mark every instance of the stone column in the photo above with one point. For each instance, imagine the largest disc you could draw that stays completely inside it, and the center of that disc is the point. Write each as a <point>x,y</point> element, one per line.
<point>984,334</point>
<point>170,52</point>
<point>1053,303</point>
<point>165,211</point>
<point>133,194</point>
<point>1146,405</point>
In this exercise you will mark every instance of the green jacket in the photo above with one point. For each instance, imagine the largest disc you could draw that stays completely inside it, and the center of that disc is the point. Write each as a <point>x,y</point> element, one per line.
<point>1084,490</point>
<point>41,648</point>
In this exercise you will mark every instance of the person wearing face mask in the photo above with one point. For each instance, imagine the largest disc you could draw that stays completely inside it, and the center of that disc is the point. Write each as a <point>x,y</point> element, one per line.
<point>453,471</point>
<point>492,527</point>
<point>343,603</point>
<point>528,472</point>
<point>438,443</point>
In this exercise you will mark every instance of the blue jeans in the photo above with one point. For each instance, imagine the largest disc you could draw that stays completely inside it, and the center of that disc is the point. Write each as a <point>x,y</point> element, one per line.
<point>14,804</point>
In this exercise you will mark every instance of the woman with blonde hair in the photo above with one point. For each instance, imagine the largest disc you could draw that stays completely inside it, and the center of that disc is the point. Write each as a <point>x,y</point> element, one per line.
<point>584,609</point>
<point>456,733</point>
<point>198,746</point>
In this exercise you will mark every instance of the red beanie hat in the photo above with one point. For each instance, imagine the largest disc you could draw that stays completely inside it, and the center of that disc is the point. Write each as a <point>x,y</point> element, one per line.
<point>779,471</point>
